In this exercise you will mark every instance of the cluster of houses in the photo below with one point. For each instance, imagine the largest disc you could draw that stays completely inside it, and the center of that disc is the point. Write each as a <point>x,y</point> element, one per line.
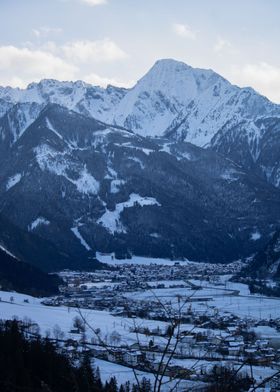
<point>106,289</point>
<point>231,347</point>
<point>215,336</point>
<point>133,276</point>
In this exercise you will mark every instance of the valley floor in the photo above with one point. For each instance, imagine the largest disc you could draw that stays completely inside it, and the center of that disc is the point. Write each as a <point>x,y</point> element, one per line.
<point>217,317</point>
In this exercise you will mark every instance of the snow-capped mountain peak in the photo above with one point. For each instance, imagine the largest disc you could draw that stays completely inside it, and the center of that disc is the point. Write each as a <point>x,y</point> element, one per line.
<point>173,100</point>
<point>162,94</point>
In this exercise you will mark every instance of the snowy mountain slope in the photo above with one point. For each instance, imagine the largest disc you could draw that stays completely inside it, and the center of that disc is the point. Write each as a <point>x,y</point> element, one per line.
<point>253,144</point>
<point>16,120</point>
<point>172,100</point>
<point>160,96</point>
<point>85,186</point>
<point>187,103</point>
<point>79,96</point>
<point>123,170</point>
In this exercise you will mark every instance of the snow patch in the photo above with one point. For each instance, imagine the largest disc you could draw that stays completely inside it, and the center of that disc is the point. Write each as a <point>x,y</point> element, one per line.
<point>38,222</point>
<point>274,267</point>
<point>155,235</point>
<point>166,148</point>
<point>8,252</point>
<point>230,176</point>
<point>12,181</point>
<point>146,151</point>
<point>108,258</point>
<point>255,236</point>
<point>111,220</point>
<point>86,183</point>
<point>138,161</point>
<point>56,162</point>
<point>77,234</point>
<point>115,185</point>
<point>51,128</point>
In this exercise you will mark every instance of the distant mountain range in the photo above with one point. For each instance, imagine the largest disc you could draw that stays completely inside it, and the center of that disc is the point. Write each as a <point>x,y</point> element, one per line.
<point>183,165</point>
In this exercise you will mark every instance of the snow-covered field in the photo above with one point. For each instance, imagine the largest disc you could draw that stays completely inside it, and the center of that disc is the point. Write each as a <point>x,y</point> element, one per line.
<point>98,285</point>
<point>242,304</point>
<point>167,283</point>
<point>231,298</point>
<point>109,259</point>
<point>172,293</point>
<point>123,374</point>
<point>49,316</point>
<point>224,283</point>
<point>111,220</point>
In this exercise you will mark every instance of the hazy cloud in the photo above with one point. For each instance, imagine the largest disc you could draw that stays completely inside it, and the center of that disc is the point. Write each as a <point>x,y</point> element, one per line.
<point>263,77</point>
<point>223,46</point>
<point>20,66</point>
<point>93,3</point>
<point>46,31</point>
<point>73,60</point>
<point>184,30</point>
<point>98,80</point>
<point>93,51</point>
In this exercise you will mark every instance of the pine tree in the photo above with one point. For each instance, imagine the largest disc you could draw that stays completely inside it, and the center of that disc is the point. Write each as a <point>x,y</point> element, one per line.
<point>113,385</point>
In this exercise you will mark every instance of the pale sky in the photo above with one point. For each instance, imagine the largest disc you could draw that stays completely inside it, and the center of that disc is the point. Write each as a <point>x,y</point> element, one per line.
<point>117,41</point>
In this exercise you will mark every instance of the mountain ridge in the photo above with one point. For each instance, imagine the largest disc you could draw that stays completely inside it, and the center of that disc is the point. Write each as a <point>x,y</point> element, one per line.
<point>101,184</point>
<point>74,180</point>
<point>172,100</point>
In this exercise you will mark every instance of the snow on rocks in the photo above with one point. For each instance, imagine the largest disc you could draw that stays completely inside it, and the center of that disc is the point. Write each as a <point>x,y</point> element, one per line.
<point>78,235</point>
<point>172,97</point>
<point>38,222</point>
<point>12,181</point>
<point>86,183</point>
<point>137,160</point>
<point>230,175</point>
<point>51,128</point>
<point>57,163</point>
<point>8,252</point>
<point>255,236</point>
<point>111,220</point>
<point>115,185</point>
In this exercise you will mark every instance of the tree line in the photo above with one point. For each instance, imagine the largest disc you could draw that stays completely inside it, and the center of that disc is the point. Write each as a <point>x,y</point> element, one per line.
<point>37,365</point>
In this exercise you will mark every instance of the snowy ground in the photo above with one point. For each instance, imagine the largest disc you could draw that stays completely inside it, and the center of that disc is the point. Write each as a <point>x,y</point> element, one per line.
<point>107,259</point>
<point>231,298</point>
<point>123,374</point>
<point>224,284</point>
<point>168,293</point>
<point>167,283</point>
<point>48,316</point>
<point>98,285</point>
